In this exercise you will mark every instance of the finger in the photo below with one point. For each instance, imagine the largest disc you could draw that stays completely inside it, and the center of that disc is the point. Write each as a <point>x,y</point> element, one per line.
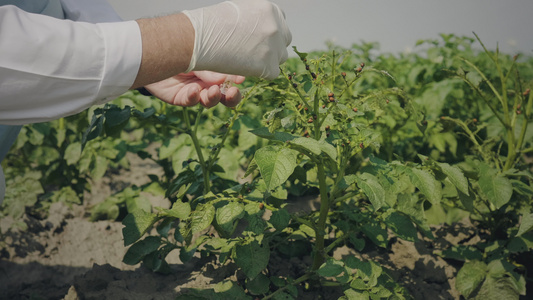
<point>210,77</point>
<point>191,96</point>
<point>236,79</point>
<point>210,97</point>
<point>232,98</point>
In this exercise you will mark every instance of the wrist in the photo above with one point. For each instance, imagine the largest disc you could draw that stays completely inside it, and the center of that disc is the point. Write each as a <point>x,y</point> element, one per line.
<point>167,46</point>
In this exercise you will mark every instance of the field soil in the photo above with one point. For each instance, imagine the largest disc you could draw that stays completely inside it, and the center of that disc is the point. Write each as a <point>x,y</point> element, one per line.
<point>66,256</point>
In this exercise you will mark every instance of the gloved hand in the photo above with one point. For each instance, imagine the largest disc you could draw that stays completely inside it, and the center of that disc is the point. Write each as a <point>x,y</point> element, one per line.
<point>244,37</point>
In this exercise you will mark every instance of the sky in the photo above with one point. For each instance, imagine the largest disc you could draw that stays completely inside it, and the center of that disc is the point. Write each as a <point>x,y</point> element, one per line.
<point>395,24</point>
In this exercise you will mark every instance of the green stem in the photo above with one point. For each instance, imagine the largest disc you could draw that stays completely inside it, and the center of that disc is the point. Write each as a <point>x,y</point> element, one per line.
<point>510,124</point>
<point>333,65</point>
<point>196,143</point>
<point>295,282</point>
<point>348,195</point>
<point>337,242</point>
<point>523,130</point>
<point>487,102</point>
<point>304,101</point>
<point>321,224</point>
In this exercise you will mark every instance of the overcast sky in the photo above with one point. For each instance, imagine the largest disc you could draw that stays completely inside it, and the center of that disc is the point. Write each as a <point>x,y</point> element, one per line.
<point>395,24</point>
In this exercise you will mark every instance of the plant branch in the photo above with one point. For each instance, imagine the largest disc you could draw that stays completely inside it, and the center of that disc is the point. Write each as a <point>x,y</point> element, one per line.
<point>197,147</point>
<point>295,282</point>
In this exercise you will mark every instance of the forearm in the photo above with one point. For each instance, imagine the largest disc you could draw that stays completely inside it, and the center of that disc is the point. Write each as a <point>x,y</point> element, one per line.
<point>167,45</point>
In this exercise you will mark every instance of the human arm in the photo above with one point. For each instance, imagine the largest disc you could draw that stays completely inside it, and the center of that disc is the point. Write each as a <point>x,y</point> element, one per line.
<point>245,37</point>
<point>239,37</point>
<point>52,68</point>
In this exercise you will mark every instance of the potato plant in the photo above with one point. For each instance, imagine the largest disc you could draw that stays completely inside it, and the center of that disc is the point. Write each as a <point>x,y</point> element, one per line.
<point>388,146</point>
<point>321,137</point>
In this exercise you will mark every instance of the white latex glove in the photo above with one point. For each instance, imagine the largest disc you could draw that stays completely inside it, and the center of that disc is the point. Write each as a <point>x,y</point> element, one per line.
<point>243,37</point>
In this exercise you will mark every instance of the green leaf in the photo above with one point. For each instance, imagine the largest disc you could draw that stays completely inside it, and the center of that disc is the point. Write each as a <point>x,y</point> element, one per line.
<point>331,268</point>
<point>467,201</point>
<point>372,189</point>
<point>275,165</point>
<point>179,210</point>
<point>358,244</point>
<point>170,146</point>
<point>227,215</point>
<point>252,258</point>
<point>139,250</point>
<point>283,296</point>
<point>402,226</point>
<point>251,168</point>
<point>346,181</point>
<point>426,183</point>
<point>502,282</point>
<point>308,144</point>
<point>72,153</point>
<point>106,210</point>
<point>147,112</point>
<point>351,294</point>
<point>187,254</point>
<point>369,271</point>
<point>302,55</point>
<point>116,116</point>
<point>280,219</point>
<point>99,168</point>
<point>526,224</point>
<point>93,131</point>
<point>276,136</point>
<point>139,202</point>
<point>456,176</point>
<point>136,225</point>
<point>328,149</point>
<point>202,217</point>
<point>376,234</point>
<point>520,244</point>
<point>228,289</point>
<point>462,253</point>
<point>470,277</point>
<point>497,188</point>
<point>259,285</point>
<point>66,195</point>
<point>116,119</point>
<point>197,294</point>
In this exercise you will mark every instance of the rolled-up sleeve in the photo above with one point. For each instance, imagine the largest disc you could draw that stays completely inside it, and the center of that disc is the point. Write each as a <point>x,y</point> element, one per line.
<point>52,68</point>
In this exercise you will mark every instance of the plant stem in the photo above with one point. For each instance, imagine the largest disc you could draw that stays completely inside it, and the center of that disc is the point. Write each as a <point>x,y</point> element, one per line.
<point>509,124</point>
<point>196,143</point>
<point>321,224</point>
<point>333,65</point>
<point>297,281</point>
<point>337,242</point>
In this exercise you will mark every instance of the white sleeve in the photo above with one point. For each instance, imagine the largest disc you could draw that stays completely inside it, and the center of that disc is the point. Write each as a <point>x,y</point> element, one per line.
<point>95,11</point>
<point>52,68</point>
